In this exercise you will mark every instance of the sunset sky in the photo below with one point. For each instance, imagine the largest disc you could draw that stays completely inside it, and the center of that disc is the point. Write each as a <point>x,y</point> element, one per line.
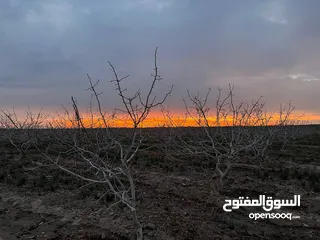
<point>267,48</point>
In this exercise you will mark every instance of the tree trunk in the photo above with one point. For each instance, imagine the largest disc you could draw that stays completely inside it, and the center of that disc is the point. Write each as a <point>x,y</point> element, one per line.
<point>137,225</point>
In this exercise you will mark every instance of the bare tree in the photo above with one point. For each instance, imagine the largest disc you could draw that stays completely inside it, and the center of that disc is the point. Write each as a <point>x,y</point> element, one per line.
<point>22,132</point>
<point>235,130</point>
<point>93,151</point>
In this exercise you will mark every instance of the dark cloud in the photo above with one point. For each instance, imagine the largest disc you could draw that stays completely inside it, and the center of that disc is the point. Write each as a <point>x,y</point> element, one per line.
<point>47,47</point>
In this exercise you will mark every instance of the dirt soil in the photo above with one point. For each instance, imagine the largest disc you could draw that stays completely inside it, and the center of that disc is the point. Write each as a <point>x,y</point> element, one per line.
<point>175,202</point>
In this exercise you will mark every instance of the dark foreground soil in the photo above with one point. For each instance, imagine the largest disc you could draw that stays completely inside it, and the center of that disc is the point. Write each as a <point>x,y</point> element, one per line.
<point>175,202</point>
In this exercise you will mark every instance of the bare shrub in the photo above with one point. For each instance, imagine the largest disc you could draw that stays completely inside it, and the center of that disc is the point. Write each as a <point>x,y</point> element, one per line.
<point>22,132</point>
<point>233,131</point>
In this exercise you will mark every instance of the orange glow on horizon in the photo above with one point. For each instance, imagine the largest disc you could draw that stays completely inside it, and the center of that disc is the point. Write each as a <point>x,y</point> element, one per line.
<point>157,119</point>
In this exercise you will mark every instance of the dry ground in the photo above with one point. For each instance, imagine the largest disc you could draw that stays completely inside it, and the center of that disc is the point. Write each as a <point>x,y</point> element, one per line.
<point>175,200</point>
